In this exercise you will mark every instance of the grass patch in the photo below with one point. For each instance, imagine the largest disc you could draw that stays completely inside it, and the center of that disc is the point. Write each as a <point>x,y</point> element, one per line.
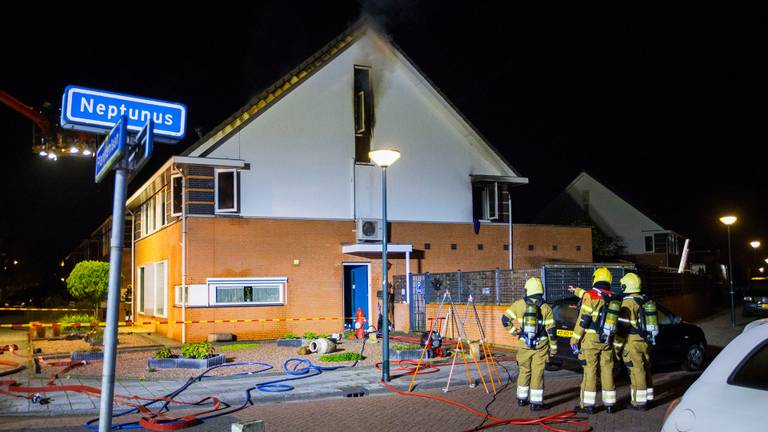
<point>405,347</point>
<point>340,357</point>
<point>238,347</point>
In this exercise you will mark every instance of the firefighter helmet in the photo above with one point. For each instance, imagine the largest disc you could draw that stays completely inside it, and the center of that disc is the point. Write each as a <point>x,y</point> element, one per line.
<point>533,286</point>
<point>630,283</point>
<point>602,274</point>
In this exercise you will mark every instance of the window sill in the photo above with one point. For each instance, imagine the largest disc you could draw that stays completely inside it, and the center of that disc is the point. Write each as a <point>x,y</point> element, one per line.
<point>227,305</point>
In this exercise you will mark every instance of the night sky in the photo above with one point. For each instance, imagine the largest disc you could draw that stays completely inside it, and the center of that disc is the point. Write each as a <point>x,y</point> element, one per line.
<point>666,105</point>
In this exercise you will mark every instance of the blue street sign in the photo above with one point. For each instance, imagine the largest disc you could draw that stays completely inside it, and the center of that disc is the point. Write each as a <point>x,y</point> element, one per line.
<point>141,149</point>
<point>111,150</point>
<point>98,111</point>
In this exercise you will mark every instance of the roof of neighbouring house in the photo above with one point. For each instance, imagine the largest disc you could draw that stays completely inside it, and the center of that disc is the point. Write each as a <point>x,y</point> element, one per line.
<point>301,73</point>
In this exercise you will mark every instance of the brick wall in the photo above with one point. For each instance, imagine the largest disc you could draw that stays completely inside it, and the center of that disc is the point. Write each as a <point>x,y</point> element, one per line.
<point>489,319</point>
<point>251,247</point>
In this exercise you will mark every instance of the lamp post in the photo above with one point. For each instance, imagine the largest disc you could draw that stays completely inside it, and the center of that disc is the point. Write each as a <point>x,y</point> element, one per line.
<point>728,221</point>
<point>384,158</point>
<point>755,245</point>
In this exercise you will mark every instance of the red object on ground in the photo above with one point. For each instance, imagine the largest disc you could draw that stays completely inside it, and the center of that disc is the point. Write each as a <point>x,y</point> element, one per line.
<point>360,324</point>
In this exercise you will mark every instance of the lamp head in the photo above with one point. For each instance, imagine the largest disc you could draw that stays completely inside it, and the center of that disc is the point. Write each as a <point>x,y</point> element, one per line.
<point>384,157</point>
<point>755,244</point>
<point>728,220</point>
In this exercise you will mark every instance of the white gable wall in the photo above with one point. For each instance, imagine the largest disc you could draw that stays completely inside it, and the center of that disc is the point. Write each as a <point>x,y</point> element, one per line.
<point>612,214</point>
<point>301,150</point>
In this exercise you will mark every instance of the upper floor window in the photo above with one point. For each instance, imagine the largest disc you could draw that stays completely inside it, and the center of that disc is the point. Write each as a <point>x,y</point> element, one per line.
<point>226,193</point>
<point>649,243</point>
<point>177,186</point>
<point>153,215</point>
<point>485,197</point>
<point>363,112</point>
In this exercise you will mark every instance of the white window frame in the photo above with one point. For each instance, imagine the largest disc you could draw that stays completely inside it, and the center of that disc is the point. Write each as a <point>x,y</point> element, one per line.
<point>197,295</point>
<point>142,288</point>
<point>216,282</point>
<point>173,193</point>
<point>485,201</point>
<point>235,188</point>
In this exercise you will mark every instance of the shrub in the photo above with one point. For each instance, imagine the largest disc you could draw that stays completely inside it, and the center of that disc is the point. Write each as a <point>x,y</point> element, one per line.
<point>405,347</point>
<point>76,318</point>
<point>89,281</point>
<point>309,335</point>
<point>199,350</point>
<point>238,347</point>
<point>324,335</point>
<point>290,336</point>
<point>340,357</point>
<point>163,353</point>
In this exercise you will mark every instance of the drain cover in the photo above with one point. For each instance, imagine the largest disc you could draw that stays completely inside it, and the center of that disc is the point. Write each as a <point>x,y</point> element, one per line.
<point>353,391</point>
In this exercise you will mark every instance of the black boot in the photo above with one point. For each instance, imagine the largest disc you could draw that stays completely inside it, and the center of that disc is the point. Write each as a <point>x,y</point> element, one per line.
<point>585,410</point>
<point>538,407</point>
<point>522,402</point>
<point>609,409</point>
<point>638,407</point>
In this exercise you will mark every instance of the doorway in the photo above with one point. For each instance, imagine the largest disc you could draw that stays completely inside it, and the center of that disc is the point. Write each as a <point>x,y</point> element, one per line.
<point>356,288</point>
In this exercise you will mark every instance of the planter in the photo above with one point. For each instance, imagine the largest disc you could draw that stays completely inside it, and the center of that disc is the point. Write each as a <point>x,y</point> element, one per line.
<point>185,363</point>
<point>293,342</point>
<point>87,355</point>
<point>405,355</point>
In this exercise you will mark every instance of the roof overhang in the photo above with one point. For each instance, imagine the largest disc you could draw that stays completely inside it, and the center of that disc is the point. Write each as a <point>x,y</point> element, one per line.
<point>513,180</point>
<point>374,249</point>
<point>137,197</point>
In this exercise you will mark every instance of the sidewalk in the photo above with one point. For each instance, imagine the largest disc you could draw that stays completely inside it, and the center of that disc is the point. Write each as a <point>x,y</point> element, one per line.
<point>231,390</point>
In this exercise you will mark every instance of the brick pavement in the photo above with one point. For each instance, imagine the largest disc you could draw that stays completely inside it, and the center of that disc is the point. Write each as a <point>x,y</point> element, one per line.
<point>390,412</point>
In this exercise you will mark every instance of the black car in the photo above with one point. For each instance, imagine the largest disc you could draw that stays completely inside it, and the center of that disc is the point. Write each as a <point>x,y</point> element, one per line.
<point>756,297</point>
<point>678,342</point>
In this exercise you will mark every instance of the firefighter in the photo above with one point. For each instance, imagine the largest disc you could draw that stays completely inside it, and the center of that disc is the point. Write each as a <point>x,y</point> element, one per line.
<point>535,326</point>
<point>592,340</point>
<point>637,323</point>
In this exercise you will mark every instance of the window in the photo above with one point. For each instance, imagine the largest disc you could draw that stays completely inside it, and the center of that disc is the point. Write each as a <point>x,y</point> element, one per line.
<point>197,295</point>
<point>479,246</point>
<point>485,197</point>
<point>153,213</point>
<point>177,185</point>
<point>554,248</point>
<point>578,248</point>
<point>246,292</point>
<point>660,243</point>
<point>427,246</point>
<point>752,371</point>
<point>453,246</point>
<point>226,191</point>
<point>530,247</point>
<point>649,243</point>
<point>363,112</point>
<point>153,290</point>
<point>663,317</point>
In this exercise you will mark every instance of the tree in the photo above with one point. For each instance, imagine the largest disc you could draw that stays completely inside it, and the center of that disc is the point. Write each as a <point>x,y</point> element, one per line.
<point>603,245</point>
<point>89,281</point>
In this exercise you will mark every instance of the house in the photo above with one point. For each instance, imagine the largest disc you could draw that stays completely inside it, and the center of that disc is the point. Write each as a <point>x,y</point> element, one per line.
<point>645,241</point>
<point>273,218</point>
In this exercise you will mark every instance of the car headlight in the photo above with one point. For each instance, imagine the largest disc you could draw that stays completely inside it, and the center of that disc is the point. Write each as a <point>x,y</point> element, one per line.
<point>749,299</point>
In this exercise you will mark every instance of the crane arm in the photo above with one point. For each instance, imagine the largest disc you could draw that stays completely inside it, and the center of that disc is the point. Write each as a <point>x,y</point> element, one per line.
<point>26,111</point>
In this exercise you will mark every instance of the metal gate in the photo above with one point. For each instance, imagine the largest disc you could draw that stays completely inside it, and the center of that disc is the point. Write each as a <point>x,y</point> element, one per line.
<point>418,309</point>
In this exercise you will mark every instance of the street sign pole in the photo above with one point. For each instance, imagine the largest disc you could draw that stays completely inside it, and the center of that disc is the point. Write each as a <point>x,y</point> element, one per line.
<point>113,300</point>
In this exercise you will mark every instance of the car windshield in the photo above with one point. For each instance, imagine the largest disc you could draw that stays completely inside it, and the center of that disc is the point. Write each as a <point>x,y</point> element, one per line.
<point>758,285</point>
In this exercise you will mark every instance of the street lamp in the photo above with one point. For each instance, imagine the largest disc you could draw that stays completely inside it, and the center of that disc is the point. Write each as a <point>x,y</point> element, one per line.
<point>384,158</point>
<point>728,221</point>
<point>755,244</point>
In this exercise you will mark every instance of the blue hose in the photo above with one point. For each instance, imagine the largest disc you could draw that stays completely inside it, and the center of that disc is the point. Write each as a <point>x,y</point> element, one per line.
<point>295,367</point>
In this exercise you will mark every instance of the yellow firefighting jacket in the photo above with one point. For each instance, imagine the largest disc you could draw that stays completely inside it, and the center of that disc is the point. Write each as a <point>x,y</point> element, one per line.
<point>516,312</point>
<point>591,303</point>
<point>629,328</point>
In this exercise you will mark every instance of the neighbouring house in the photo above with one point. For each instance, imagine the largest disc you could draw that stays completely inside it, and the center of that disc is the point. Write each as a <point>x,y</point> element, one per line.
<point>275,214</point>
<point>587,200</point>
<point>96,247</point>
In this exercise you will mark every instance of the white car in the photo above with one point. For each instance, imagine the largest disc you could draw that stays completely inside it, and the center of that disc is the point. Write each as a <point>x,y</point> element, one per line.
<point>731,394</point>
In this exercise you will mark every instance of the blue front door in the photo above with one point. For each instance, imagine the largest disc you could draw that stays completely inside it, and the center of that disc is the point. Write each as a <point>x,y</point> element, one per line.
<point>356,290</point>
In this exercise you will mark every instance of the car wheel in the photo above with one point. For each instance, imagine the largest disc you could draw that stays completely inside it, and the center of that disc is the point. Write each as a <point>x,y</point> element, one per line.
<point>553,366</point>
<point>694,358</point>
